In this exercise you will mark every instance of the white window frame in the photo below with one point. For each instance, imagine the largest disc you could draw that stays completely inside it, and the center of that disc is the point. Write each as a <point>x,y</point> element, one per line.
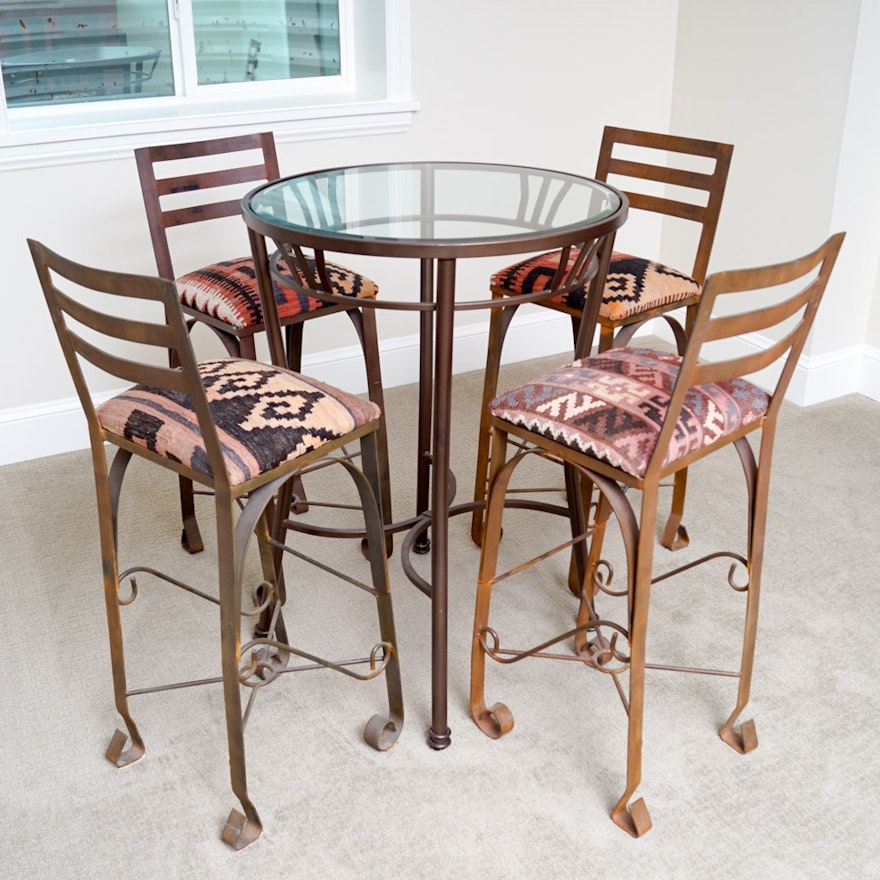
<point>375,98</point>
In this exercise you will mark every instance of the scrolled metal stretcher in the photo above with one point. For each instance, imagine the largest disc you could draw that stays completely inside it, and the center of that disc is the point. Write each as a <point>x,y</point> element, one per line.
<point>241,429</point>
<point>622,421</point>
<point>438,213</point>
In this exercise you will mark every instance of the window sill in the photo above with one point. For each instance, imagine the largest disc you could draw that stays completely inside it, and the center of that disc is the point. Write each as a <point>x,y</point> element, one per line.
<point>81,139</point>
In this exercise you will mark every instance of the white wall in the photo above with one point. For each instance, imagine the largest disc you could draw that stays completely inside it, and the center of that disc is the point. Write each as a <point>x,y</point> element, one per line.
<point>794,87</point>
<point>534,84</point>
<point>497,81</point>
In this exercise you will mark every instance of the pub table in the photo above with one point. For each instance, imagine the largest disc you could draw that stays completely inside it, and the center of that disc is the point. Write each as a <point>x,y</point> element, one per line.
<point>437,213</point>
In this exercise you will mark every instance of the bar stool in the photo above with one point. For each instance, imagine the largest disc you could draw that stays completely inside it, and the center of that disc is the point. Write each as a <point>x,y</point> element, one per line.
<point>637,288</point>
<point>241,429</point>
<point>621,421</point>
<point>201,181</point>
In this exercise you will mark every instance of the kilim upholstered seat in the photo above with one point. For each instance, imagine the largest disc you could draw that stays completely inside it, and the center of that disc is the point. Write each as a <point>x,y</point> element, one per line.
<point>637,288</point>
<point>634,286</point>
<point>181,185</point>
<point>620,422</point>
<point>241,429</point>
<point>227,291</point>
<point>265,418</point>
<point>613,405</point>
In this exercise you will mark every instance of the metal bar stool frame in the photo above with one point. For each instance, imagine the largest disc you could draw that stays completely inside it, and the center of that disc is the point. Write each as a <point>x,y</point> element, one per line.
<point>597,642</point>
<point>242,505</point>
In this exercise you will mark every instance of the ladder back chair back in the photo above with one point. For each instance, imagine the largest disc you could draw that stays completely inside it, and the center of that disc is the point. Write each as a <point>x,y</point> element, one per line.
<point>204,181</point>
<point>637,289</point>
<point>240,428</point>
<point>621,421</point>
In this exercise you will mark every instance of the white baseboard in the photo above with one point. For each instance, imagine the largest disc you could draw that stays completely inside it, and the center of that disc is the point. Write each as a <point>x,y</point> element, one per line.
<point>869,379</point>
<point>816,379</point>
<point>59,426</point>
<point>48,429</point>
<point>28,432</point>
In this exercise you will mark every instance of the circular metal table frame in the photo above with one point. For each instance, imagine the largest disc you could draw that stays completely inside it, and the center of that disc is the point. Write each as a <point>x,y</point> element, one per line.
<point>315,210</point>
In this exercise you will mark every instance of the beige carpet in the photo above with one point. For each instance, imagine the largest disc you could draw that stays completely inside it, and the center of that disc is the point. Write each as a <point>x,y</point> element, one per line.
<point>533,805</point>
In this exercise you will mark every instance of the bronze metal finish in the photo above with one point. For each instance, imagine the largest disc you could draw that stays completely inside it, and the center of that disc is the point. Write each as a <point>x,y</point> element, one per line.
<point>85,304</point>
<point>170,203</point>
<point>619,647</point>
<point>524,230</point>
<point>698,197</point>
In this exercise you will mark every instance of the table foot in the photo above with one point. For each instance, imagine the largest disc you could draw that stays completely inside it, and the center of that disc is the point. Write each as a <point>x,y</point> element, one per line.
<point>439,741</point>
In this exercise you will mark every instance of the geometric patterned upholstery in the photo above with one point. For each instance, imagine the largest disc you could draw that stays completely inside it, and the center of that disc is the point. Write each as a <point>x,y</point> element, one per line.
<point>612,406</point>
<point>228,291</point>
<point>264,415</point>
<point>633,284</point>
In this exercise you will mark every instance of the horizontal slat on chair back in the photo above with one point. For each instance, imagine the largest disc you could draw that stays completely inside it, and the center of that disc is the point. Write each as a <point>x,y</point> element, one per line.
<point>72,315</point>
<point>662,141</point>
<point>802,304</point>
<point>186,183</point>
<point>658,205</point>
<point>811,272</point>
<point>136,372</point>
<point>169,213</point>
<point>662,174</point>
<point>708,187</point>
<point>206,211</point>
<point>212,147</point>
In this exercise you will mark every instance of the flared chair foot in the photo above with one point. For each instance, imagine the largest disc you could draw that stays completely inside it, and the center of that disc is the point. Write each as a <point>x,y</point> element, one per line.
<point>635,821</point>
<point>746,740</point>
<point>675,535</point>
<point>118,755</point>
<point>240,832</point>
<point>191,537</point>
<point>382,732</point>
<point>495,721</point>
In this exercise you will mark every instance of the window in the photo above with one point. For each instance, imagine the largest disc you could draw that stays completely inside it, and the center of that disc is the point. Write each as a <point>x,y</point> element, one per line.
<point>80,77</point>
<point>69,52</point>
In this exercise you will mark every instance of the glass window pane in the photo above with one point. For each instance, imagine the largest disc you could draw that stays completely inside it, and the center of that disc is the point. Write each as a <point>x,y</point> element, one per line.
<point>241,40</point>
<point>63,52</point>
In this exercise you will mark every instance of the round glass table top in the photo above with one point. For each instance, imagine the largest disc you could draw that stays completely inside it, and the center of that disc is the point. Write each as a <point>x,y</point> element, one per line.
<point>482,208</point>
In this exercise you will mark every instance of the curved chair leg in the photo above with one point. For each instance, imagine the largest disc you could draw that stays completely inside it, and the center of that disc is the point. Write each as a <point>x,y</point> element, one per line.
<point>675,535</point>
<point>190,536</point>
<point>499,322</point>
<point>578,485</point>
<point>108,488</point>
<point>746,738</point>
<point>242,828</point>
<point>277,512</point>
<point>619,339</point>
<point>381,731</point>
<point>364,321</point>
<point>293,334</point>
<point>587,590</point>
<point>679,332</point>
<point>495,720</point>
<point>270,624</point>
<point>633,817</point>
<point>757,478</point>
